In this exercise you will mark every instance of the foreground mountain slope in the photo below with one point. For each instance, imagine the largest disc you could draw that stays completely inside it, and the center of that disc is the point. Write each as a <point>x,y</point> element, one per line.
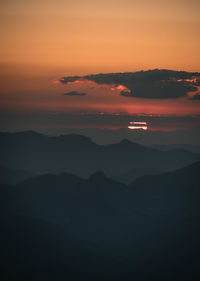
<point>148,230</point>
<point>34,249</point>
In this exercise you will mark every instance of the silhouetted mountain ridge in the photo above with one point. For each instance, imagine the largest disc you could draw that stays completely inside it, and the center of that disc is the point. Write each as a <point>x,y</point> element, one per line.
<point>12,176</point>
<point>76,139</point>
<point>99,175</point>
<point>148,230</point>
<point>79,155</point>
<point>188,147</point>
<point>183,174</point>
<point>175,189</point>
<point>52,178</point>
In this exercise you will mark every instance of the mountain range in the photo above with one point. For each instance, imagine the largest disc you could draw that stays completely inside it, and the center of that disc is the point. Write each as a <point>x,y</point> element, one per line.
<point>65,227</point>
<point>77,154</point>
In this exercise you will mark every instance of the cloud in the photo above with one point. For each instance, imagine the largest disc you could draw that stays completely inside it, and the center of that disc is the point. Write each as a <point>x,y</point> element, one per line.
<point>126,94</point>
<point>74,93</point>
<point>195,97</point>
<point>151,84</point>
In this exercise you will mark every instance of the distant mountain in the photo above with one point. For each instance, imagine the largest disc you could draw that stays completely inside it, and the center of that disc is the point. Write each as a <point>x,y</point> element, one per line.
<point>135,173</point>
<point>148,230</point>
<point>80,155</point>
<point>178,189</point>
<point>13,176</point>
<point>188,147</point>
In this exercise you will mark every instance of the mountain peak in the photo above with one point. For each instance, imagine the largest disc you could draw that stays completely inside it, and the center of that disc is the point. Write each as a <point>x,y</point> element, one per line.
<point>126,142</point>
<point>23,134</point>
<point>76,138</point>
<point>98,176</point>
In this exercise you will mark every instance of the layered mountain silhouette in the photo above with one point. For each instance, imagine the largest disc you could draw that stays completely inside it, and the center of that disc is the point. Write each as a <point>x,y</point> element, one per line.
<point>188,147</point>
<point>13,176</point>
<point>178,189</point>
<point>64,227</point>
<point>79,155</point>
<point>135,173</point>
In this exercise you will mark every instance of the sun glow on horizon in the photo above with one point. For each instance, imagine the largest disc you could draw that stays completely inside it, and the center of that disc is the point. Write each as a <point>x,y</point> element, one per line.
<point>136,125</point>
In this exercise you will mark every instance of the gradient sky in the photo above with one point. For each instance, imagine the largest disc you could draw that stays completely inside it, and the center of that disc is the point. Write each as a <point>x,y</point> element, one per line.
<point>44,40</point>
<point>90,36</point>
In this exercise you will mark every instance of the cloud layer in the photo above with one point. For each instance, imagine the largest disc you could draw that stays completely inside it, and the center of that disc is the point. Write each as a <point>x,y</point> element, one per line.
<point>196,97</point>
<point>74,93</point>
<point>151,84</point>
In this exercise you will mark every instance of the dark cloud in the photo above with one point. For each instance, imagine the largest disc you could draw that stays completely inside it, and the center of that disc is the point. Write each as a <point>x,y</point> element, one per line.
<point>153,84</point>
<point>69,79</point>
<point>126,94</point>
<point>74,93</point>
<point>195,97</point>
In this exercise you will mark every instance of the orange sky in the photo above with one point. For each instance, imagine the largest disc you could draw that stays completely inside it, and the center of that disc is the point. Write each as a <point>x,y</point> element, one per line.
<point>46,39</point>
<point>91,36</point>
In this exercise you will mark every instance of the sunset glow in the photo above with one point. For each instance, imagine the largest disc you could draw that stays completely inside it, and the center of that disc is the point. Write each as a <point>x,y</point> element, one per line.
<point>120,88</point>
<point>136,125</point>
<point>79,81</point>
<point>121,58</point>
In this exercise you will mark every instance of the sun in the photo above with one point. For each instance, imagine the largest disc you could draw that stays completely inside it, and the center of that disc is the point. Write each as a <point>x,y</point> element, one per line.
<point>138,125</point>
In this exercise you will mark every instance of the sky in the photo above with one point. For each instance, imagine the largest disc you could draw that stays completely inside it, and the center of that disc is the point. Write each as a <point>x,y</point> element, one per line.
<point>44,42</point>
<point>92,36</point>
